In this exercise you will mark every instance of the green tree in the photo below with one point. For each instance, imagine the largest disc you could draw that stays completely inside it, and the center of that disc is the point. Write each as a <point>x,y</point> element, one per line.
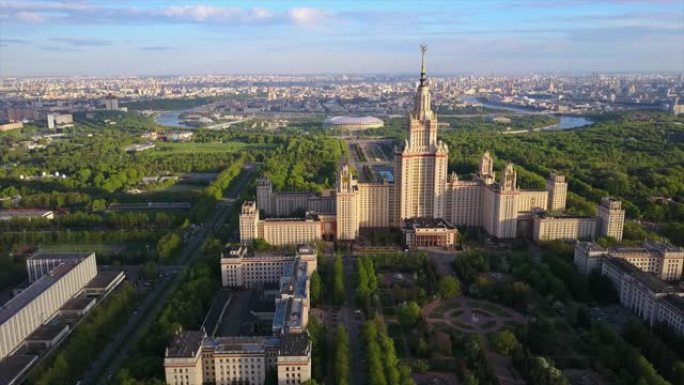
<point>315,289</point>
<point>260,244</point>
<point>342,356</point>
<point>409,314</point>
<point>167,246</point>
<point>448,287</point>
<point>504,342</point>
<point>338,280</point>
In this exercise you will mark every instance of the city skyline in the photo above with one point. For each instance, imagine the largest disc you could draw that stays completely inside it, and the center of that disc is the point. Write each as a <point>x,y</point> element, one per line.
<point>90,38</point>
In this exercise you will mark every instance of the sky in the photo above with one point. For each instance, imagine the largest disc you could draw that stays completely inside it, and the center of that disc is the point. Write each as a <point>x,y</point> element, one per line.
<point>154,37</point>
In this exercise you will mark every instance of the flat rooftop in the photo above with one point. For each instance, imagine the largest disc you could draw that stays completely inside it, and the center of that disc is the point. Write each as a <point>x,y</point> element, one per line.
<point>185,344</point>
<point>79,302</point>
<point>591,246</point>
<point>9,309</point>
<point>104,279</point>
<point>545,214</point>
<point>649,280</point>
<point>46,332</point>
<point>241,344</point>
<point>294,345</point>
<point>60,255</point>
<point>12,367</point>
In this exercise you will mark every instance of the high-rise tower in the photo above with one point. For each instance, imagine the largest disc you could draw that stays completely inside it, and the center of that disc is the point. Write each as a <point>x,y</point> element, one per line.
<point>558,191</point>
<point>421,165</point>
<point>347,205</point>
<point>612,218</point>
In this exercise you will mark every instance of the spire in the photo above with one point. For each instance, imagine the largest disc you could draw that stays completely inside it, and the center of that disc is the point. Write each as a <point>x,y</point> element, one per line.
<point>423,49</point>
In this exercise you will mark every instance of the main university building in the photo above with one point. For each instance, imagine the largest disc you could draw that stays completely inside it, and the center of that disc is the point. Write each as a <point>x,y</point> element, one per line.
<point>424,200</point>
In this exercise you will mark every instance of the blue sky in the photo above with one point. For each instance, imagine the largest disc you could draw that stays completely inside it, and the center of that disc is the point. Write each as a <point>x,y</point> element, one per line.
<point>153,37</point>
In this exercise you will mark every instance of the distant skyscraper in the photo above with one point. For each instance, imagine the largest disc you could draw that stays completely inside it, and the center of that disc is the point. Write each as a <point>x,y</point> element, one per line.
<point>421,165</point>
<point>421,199</point>
<point>111,102</point>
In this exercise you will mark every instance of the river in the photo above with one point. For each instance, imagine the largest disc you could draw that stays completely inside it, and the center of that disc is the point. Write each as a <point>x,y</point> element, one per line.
<point>171,119</point>
<point>566,122</point>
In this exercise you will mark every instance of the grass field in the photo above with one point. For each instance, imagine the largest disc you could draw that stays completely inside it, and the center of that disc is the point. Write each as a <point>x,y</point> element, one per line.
<point>165,149</point>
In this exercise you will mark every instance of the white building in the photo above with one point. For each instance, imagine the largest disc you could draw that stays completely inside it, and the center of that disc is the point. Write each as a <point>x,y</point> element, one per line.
<point>41,300</point>
<point>57,120</point>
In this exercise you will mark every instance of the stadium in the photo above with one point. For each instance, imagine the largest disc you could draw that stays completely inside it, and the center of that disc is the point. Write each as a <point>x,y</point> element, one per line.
<point>351,123</point>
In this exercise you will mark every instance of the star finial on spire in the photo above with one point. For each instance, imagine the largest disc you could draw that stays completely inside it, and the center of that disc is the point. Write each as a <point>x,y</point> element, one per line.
<point>423,49</point>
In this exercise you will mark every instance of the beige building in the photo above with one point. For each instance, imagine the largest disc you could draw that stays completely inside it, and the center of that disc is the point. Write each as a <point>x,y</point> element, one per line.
<point>612,218</point>
<point>10,126</point>
<point>41,300</point>
<point>558,192</point>
<point>285,204</point>
<point>565,227</point>
<point>664,261</point>
<point>650,298</point>
<point>421,232</point>
<point>241,268</point>
<point>279,231</point>
<point>57,120</point>
<point>421,164</point>
<point>193,358</point>
<point>553,225</point>
<point>347,206</point>
<point>421,188</point>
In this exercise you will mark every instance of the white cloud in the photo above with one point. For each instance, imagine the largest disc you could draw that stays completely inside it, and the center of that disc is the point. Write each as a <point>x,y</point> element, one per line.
<point>306,15</point>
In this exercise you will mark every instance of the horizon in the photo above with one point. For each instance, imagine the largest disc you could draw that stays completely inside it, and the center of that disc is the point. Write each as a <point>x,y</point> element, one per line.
<point>88,38</point>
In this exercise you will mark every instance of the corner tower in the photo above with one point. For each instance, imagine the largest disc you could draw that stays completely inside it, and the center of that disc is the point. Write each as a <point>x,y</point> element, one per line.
<point>421,165</point>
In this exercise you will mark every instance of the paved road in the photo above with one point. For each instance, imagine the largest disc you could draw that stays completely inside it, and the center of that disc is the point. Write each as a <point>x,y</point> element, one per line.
<point>352,323</point>
<point>109,361</point>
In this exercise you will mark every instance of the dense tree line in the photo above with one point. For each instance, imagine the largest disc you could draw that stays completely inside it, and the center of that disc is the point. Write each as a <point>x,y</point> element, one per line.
<point>319,349</point>
<point>473,368</point>
<point>215,191</point>
<point>664,360</point>
<point>167,246</point>
<point>384,367</point>
<point>185,310</point>
<point>626,364</point>
<point>342,356</point>
<point>337,280</point>
<point>90,221</point>
<point>87,340</point>
<point>537,370</point>
<point>305,163</point>
<point>625,156</point>
<point>366,282</point>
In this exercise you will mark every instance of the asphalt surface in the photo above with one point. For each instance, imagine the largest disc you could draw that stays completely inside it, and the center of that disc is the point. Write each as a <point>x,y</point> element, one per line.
<point>104,367</point>
<point>353,324</point>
